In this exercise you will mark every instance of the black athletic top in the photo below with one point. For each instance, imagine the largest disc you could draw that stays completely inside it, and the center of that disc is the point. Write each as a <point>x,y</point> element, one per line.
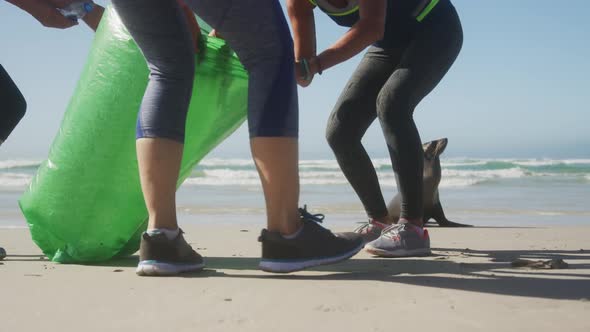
<point>403,17</point>
<point>13,105</point>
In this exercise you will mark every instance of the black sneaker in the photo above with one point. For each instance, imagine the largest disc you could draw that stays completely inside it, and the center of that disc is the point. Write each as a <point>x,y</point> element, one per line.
<point>313,246</point>
<point>159,256</point>
<point>2,254</point>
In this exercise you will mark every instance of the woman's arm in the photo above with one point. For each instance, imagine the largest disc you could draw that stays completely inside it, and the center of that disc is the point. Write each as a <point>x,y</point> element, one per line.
<point>303,24</point>
<point>366,31</point>
<point>44,12</point>
<point>304,39</point>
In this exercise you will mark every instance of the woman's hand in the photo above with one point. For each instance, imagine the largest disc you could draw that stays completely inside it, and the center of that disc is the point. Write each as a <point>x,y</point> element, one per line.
<point>193,25</point>
<point>303,83</point>
<point>214,33</point>
<point>50,17</point>
<point>313,67</point>
<point>303,79</point>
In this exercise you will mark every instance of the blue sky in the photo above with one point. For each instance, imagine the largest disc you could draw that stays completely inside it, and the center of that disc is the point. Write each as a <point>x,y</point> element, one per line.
<point>519,88</point>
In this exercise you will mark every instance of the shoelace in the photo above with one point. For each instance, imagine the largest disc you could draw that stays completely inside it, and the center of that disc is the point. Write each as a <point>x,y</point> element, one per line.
<point>365,228</point>
<point>305,216</point>
<point>393,230</point>
<point>318,217</point>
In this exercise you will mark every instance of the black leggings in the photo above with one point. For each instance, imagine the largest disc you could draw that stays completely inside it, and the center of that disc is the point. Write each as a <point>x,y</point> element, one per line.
<point>12,105</point>
<point>389,84</point>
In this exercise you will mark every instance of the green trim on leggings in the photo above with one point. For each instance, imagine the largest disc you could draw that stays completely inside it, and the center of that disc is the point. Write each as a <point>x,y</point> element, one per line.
<point>348,12</point>
<point>427,10</point>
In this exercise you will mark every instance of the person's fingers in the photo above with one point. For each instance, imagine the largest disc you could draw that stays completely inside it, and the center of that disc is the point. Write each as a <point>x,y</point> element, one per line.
<point>303,83</point>
<point>57,20</point>
<point>193,25</point>
<point>215,34</point>
<point>54,19</point>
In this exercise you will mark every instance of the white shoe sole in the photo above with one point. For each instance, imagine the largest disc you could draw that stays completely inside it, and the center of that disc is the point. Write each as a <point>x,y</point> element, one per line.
<point>286,266</point>
<point>397,253</point>
<point>154,268</point>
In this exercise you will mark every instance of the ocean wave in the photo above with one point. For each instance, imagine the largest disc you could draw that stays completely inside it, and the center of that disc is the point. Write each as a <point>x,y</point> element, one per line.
<point>383,162</point>
<point>225,177</point>
<point>303,164</point>
<point>531,165</point>
<point>522,161</point>
<point>12,164</point>
<point>464,178</point>
<point>318,165</point>
<point>215,162</point>
<point>322,181</point>
<point>208,181</point>
<point>14,180</point>
<point>458,182</point>
<point>537,163</point>
<point>534,167</point>
<point>229,177</point>
<point>511,173</point>
<point>456,172</point>
<point>548,162</point>
<point>384,182</point>
<point>462,163</point>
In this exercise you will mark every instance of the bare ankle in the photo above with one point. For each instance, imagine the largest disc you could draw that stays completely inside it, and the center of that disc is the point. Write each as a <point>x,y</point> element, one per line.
<point>291,228</point>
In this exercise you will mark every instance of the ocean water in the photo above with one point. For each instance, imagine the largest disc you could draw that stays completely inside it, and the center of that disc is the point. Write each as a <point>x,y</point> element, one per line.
<point>484,192</point>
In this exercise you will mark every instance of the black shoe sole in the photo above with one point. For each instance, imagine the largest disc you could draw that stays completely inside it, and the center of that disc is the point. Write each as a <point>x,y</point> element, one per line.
<point>287,266</point>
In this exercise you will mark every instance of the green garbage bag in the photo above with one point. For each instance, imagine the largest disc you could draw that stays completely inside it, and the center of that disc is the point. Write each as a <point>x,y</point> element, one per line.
<point>85,203</point>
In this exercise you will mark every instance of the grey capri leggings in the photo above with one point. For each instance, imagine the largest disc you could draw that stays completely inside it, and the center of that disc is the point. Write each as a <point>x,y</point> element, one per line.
<point>255,29</point>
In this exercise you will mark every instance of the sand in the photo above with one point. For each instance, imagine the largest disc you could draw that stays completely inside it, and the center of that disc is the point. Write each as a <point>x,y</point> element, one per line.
<point>467,285</point>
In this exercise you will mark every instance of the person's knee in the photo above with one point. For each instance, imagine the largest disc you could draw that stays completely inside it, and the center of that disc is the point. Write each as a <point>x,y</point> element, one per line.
<point>333,133</point>
<point>273,109</point>
<point>165,104</point>
<point>278,121</point>
<point>394,108</point>
<point>341,134</point>
<point>276,117</point>
<point>179,69</point>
